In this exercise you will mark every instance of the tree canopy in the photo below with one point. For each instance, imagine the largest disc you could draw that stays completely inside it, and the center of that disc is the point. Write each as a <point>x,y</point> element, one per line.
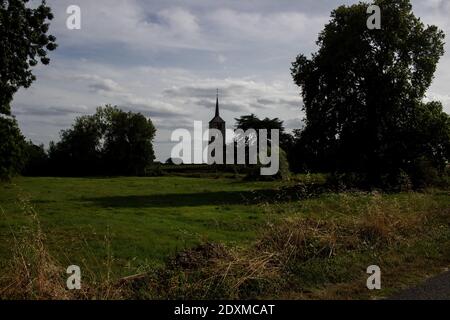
<point>11,148</point>
<point>251,121</point>
<point>23,43</point>
<point>363,93</point>
<point>111,141</point>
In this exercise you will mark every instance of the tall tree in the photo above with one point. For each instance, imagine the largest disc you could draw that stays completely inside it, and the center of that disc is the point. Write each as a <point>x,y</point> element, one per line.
<point>36,160</point>
<point>111,141</point>
<point>253,122</point>
<point>79,150</point>
<point>23,42</point>
<point>128,136</point>
<point>286,140</point>
<point>363,91</point>
<point>11,148</point>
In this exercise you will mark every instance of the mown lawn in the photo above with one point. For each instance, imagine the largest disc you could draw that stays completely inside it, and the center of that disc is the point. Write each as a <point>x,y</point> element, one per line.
<point>139,221</point>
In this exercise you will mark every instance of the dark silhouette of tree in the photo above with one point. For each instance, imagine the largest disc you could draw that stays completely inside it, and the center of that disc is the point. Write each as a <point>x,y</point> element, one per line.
<point>111,141</point>
<point>79,150</point>
<point>251,121</point>
<point>128,136</point>
<point>36,160</point>
<point>363,93</point>
<point>11,148</point>
<point>23,42</point>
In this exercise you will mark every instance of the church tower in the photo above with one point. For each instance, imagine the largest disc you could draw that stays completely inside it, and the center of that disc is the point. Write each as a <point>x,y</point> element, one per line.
<point>218,123</point>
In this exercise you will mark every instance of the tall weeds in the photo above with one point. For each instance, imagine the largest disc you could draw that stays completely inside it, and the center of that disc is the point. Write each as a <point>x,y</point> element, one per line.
<point>264,267</point>
<point>34,273</point>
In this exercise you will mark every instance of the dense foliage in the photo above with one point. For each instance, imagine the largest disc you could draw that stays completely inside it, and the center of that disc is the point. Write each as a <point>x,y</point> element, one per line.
<point>247,122</point>
<point>11,147</point>
<point>23,42</point>
<point>253,122</point>
<point>111,141</point>
<point>363,94</point>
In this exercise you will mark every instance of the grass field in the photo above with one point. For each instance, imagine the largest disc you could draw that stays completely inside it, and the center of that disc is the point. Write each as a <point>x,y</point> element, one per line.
<point>127,225</point>
<point>142,219</point>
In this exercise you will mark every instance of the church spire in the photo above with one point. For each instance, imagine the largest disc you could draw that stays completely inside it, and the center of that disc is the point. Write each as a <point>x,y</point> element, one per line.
<point>217,103</point>
<point>217,117</point>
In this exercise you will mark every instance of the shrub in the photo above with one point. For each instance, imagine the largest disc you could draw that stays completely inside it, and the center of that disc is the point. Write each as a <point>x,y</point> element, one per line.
<point>424,174</point>
<point>36,160</point>
<point>344,181</point>
<point>398,181</point>
<point>153,170</point>
<point>254,171</point>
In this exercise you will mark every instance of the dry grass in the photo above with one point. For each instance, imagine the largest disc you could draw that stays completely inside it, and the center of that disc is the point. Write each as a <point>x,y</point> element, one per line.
<point>301,239</point>
<point>34,274</point>
<point>260,270</point>
<point>226,276</point>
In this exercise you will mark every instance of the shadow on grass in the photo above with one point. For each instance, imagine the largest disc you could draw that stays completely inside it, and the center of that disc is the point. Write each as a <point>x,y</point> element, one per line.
<point>183,199</point>
<point>207,198</point>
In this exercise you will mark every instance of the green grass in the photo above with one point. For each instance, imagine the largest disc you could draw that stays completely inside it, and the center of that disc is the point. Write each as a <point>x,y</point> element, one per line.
<point>143,220</point>
<point>128,225</point>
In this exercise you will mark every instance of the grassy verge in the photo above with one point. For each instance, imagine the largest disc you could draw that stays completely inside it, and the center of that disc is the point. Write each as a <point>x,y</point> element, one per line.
<point>311,255</point>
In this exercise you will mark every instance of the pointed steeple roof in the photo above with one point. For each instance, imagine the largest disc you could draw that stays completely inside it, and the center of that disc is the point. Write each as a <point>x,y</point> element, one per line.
<point>217,103</point>
<point>217,117</point>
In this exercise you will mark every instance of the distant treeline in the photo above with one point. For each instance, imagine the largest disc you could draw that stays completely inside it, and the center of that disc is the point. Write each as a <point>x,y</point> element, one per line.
<point>114,142</point>
<point>110,142</point>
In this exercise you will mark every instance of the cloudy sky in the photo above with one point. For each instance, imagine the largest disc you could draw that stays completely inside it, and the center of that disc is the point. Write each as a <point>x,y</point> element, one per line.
<point>165,59</point>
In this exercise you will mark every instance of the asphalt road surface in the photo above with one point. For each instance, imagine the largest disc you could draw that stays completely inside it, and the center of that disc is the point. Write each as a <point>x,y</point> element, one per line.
<point>434,288</point>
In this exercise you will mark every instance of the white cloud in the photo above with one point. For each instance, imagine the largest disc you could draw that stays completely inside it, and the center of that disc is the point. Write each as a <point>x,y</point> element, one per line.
<point>281,27</point>
<point>127,23</point>
<point>98,84</point>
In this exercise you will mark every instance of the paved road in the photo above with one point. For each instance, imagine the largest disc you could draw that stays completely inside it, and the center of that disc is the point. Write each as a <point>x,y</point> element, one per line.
<point>435,288</point>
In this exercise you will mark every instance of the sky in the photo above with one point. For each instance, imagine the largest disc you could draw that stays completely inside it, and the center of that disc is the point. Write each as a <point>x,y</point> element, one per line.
<point>165,59</point>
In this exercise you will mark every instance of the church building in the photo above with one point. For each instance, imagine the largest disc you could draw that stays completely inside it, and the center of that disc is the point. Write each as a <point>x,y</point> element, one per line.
<point>218,123</point>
